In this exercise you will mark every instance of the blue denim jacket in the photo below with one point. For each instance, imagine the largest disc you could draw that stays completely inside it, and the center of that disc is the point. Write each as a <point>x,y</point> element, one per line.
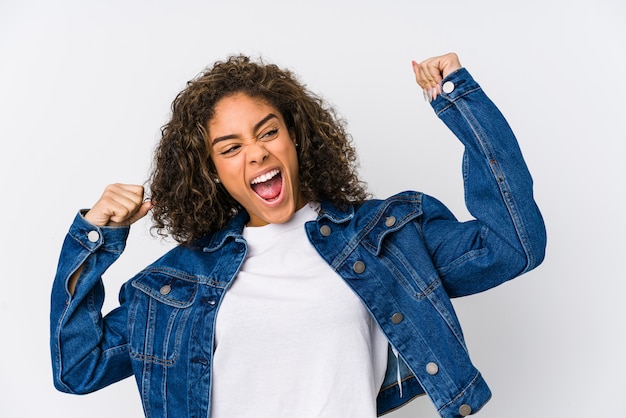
<point>405,257</point>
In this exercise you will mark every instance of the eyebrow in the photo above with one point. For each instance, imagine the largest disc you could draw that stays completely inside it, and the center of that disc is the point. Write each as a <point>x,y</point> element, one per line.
<point>256,127</point>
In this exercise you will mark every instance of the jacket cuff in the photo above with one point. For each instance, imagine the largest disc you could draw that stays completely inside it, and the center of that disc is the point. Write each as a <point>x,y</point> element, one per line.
<point>471,400</point>
<point>455,85</point>
<point>92,237</point>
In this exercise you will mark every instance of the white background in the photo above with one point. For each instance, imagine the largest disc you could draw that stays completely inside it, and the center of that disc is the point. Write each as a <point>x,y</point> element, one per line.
<point>85,87</point>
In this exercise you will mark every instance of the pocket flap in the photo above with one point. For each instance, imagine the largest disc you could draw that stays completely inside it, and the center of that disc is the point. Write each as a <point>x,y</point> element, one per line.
<point>167,288</point>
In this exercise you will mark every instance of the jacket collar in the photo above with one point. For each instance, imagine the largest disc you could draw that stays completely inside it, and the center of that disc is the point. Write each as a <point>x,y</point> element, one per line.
<point>334,214</point>
<point>234,228</point>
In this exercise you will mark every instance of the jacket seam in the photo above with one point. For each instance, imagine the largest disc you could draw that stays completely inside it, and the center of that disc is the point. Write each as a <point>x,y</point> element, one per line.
<point>501,181</point>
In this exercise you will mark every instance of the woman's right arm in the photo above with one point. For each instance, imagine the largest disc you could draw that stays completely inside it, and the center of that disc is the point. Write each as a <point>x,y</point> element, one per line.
<point>89,351</point>
<point>119,205</point>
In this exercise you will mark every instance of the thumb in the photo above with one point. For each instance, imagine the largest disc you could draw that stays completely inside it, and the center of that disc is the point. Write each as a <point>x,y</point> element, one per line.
<point>141,212</point>
<point>448,64</point>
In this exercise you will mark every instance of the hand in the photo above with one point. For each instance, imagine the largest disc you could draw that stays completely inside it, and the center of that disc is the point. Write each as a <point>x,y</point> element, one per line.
<point>430,72</point>
<point>120,204</point>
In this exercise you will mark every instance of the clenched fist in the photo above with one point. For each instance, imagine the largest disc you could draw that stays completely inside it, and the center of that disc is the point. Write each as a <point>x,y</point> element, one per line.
<point>120,204</point>
<point>431,71</point>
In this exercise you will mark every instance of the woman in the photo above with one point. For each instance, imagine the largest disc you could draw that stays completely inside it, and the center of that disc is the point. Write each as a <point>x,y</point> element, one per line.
<point>291,292</point>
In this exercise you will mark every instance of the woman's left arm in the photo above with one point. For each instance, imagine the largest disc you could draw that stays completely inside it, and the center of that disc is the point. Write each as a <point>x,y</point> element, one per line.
<point>507,237</point>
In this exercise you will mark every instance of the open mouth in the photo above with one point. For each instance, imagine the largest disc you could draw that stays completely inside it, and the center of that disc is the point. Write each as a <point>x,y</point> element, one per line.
<point>269,185</point>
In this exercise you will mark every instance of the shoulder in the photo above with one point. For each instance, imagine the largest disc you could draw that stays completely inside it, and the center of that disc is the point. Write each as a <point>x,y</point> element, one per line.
<point>374,213</point>
<point>401,207</point>
<point>404,204</point>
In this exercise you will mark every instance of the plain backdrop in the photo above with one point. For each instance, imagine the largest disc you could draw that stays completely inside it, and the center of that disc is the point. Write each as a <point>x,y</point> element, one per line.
<point>86,86</point>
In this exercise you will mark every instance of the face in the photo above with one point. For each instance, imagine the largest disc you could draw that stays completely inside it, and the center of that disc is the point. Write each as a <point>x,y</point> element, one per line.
<point>255,157</point>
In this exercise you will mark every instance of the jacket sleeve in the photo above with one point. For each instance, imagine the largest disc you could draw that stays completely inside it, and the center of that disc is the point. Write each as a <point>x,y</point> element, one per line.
<point>88,351</point>
<point>507,237</point>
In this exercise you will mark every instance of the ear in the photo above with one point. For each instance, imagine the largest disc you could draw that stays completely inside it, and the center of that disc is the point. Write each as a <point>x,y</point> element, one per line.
<point>294,139</point>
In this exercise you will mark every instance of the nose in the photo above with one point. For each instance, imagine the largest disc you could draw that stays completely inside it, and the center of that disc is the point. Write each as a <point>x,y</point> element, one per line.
<point>257,153</point>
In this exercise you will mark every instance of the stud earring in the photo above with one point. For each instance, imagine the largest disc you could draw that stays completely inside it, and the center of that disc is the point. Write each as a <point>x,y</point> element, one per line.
<point>216,180</point>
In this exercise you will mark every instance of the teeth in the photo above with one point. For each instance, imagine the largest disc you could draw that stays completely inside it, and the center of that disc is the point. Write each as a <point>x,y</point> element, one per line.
<point>265,177</point>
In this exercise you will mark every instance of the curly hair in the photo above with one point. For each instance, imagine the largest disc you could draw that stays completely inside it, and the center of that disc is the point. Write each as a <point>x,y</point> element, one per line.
<point>189,203</point>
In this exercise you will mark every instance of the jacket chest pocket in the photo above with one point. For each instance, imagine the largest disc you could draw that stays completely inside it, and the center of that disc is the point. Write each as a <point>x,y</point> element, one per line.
<point>400,249</point>
<point>159,316</point>
<point>410,271</point>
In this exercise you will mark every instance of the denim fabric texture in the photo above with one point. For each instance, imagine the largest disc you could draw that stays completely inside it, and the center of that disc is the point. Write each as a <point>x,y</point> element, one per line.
<point>405,257</point>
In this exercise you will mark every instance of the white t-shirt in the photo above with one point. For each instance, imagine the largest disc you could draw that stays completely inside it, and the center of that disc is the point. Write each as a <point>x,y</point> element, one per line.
<point>292,339</point>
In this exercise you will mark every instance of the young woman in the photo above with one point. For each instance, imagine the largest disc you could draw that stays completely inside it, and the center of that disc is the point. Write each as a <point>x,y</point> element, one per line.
<point>292,293</point>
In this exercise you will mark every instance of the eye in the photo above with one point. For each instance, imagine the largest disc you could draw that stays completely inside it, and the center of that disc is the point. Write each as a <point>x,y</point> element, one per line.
<point>269,135</point>
<point>230,150</point>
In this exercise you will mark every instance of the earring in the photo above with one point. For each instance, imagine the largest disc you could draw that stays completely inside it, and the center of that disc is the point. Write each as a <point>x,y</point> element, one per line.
<point>216,180</point>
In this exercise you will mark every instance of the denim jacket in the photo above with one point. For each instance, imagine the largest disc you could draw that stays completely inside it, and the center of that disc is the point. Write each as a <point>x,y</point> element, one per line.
<point>404,257</point>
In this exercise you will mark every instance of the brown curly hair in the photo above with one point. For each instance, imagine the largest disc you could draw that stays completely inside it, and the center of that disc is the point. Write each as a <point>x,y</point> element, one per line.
<point>189,204</point>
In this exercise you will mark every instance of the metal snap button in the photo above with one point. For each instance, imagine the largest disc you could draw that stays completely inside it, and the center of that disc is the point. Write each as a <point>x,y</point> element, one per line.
<point>397,318</point>
<point>432,368</point>
<point>359,267</point>
<point>390,221</point>
<point>325,230</point>
<point>465,410</point>
<point>165,289</point>
<point>448,87</point>
<point>93,236</point>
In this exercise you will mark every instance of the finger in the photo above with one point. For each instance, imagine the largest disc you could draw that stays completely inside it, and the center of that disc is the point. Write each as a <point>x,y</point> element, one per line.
<point>118,203</point>
<point>126,202</point>
<point>416,70</point>
<point>127,193</point>
<point>428,79</point>
<point>430,73</point>
<point>141,212</point>
<point>111,212</point>
<point>449,63</point>
<point>423,75</point>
